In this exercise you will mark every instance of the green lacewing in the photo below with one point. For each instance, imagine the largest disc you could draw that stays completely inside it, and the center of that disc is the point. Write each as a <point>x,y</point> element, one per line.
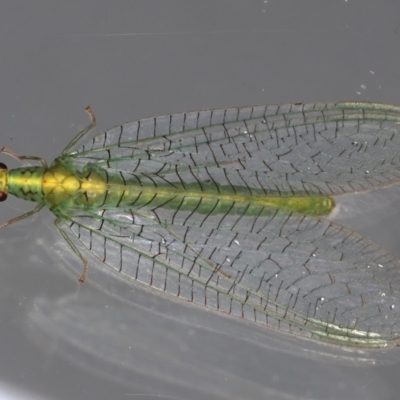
<point>226,209</point>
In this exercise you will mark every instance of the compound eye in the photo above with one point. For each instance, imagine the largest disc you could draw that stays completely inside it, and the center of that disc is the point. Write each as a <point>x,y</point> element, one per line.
<point>3,195</point>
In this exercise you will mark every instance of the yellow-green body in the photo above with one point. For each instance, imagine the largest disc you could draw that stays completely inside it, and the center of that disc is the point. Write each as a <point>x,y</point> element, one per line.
<point>226,209</point>
<point>62,187</point>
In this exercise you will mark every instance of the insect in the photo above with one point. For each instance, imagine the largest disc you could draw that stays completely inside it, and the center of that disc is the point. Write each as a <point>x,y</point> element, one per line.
<point>226,209</point>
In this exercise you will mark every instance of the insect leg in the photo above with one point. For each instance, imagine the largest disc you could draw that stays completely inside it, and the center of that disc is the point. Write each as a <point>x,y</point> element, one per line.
<point>57,223</point>
<point>5,150</point>
<point>80,135</point>
<point>16,219</point>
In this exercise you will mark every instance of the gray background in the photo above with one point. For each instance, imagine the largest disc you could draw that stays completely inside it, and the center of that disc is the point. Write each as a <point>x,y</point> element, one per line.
<point>133,59</point>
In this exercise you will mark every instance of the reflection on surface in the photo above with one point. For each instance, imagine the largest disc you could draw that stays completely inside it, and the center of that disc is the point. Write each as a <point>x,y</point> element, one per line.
<point>159,345</point>
<point>132,344</point>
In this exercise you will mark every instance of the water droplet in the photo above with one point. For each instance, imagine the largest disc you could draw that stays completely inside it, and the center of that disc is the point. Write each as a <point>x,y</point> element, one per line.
<point>367,172</point>
<point>264,121</point>
<point>355,144</point>
<point>236,242</point>
<point>380,265</point>
<point>392,307</point>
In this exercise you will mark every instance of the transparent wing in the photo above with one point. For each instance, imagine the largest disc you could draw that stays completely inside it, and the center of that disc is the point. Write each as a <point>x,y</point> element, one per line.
<point>321,148</point>
<point>295,273</point>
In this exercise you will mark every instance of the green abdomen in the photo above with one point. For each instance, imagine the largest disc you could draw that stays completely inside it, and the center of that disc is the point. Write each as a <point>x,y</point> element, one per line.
<point>204,198</point>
